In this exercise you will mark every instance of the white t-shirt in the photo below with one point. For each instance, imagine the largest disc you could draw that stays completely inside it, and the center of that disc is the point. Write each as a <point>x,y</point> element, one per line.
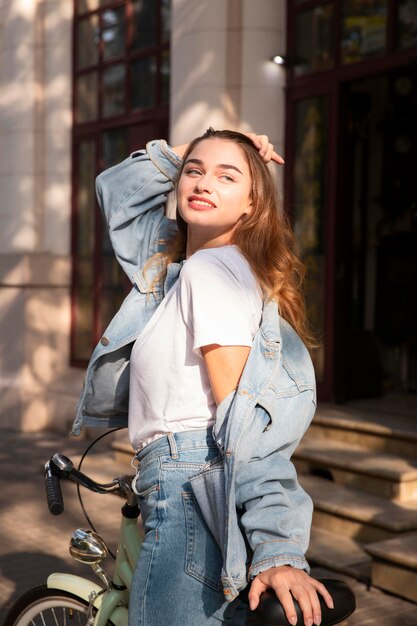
<point>216,300</point>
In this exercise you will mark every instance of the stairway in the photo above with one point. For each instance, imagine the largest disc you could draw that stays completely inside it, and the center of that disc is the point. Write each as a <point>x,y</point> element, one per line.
<point>359,465</point>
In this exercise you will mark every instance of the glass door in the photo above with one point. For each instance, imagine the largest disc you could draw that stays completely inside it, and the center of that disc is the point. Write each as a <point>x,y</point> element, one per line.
<point>310,192</point>
<point>309,208</point>
<point>347,60</point>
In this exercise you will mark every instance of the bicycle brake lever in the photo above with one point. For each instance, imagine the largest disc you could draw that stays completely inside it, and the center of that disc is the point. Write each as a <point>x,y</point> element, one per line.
<point>62,463</point>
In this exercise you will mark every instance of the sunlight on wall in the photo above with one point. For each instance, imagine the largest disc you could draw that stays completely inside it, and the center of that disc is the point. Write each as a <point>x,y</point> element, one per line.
<point>35,210</point>
<point>197,117</point>
<point>272,73</point>
<point>24,8</point>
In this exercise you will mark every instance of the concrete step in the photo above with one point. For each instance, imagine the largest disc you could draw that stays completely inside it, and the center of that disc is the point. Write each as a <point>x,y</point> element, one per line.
<point>339,553</point>
<point>365,517</point>
<point>394,565</point>
<point>393,431</point>
<point>379,473</point>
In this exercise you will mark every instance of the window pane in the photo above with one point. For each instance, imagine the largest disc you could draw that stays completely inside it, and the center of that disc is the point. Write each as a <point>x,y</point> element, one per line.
<point>165,74</point>
<point>407,23</point>
<point>114,90</point>
<point>309,209</point>
<point>86,95</point>
<point>315,40</point>
<point>86,5</point>
<point>144,24</point>
<point>143,82</point>
<point>115,146</point>
<point>87,42</point>
<point>364,29</point>
<point>113,284</point>
<point>113,33</point>
<point>84,250</point>
<point>85,207</point>
<point>165,20</point>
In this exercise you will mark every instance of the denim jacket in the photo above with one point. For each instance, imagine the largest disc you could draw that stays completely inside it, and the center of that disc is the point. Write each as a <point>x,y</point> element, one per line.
<point>250,498</point>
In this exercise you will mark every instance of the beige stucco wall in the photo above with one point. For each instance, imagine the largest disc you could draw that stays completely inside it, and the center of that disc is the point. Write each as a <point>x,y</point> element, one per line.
<point>222,73</point>
<point>37,387</point>
<point>221,76</point>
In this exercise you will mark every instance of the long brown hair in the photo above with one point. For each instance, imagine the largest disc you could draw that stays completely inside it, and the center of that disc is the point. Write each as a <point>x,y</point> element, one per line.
<point>264,236</point>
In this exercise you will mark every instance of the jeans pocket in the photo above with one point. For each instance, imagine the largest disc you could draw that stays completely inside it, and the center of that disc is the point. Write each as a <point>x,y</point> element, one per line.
<point>203,559</point>
<point>147,478</point>
<point>146,485</point>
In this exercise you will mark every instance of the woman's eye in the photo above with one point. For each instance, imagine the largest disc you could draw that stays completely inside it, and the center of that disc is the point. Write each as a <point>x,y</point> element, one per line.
<point>227,177</point>
<point>193,171</point>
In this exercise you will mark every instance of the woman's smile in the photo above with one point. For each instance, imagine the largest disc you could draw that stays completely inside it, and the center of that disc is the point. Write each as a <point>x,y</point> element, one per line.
<point>214,191</point>
<point>200,204</point>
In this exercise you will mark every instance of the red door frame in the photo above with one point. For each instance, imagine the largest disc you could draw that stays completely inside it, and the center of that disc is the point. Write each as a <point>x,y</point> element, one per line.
<point>331,84</point>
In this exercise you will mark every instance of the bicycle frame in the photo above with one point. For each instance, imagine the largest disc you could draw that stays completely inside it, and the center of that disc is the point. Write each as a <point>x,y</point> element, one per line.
<point>112,604</point>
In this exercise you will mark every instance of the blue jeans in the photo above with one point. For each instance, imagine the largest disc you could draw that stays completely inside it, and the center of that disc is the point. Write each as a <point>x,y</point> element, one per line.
<point>177,578</point>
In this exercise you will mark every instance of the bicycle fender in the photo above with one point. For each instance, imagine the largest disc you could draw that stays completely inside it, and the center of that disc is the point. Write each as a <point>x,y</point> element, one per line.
<point>82,588</point>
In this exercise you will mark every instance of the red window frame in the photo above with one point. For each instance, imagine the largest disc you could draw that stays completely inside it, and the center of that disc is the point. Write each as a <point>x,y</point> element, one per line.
<point>137,126</point>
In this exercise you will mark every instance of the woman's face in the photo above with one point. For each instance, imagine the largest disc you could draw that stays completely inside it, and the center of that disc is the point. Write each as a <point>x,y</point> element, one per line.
<point>214,190</point>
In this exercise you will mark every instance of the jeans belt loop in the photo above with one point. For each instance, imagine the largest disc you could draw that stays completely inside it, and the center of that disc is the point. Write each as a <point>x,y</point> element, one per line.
<point>173,446</point>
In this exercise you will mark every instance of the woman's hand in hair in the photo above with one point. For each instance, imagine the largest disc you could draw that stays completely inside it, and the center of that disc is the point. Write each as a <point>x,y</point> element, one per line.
<point>266,149</point>
<point>290,583</point>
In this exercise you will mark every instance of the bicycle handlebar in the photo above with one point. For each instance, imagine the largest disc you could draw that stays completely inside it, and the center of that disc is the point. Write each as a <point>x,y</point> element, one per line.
<point>59,466</point>
<point>53,491</point>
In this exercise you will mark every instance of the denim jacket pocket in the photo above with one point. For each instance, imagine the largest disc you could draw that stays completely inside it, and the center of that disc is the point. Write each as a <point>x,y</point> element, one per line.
<point>203,559</point>
<point>209,491</point>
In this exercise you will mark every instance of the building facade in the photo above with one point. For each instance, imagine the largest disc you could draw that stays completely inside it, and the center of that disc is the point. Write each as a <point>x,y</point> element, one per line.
<point>82,85</point>
<point>85,82</point>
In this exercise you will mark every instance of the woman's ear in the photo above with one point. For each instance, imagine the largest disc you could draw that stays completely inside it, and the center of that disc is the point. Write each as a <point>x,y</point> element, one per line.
<point>249,209</point>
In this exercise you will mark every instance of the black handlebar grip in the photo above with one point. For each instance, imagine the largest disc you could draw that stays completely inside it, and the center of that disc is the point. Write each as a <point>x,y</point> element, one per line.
<point>53,493</point>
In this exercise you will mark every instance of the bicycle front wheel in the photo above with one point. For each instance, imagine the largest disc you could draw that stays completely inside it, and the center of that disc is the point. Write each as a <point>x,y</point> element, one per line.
<point>41,606</point>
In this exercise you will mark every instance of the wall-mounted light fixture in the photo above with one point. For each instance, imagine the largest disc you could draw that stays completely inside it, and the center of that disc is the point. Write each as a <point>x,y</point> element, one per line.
<point>279,59</point>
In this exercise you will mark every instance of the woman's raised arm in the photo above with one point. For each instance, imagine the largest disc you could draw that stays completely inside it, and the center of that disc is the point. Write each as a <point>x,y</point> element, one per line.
<point>132,196</point>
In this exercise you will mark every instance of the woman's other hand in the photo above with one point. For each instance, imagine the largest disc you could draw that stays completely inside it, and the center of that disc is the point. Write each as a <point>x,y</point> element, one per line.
<point>266,149</point>
<point>288,583</point>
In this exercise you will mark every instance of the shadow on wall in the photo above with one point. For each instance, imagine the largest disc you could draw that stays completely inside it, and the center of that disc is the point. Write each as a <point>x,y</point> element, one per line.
<point>205,80</point>
<point>35,214</point>
<point>36,118</point>
<point>222,70</point>
<point>37,387</point>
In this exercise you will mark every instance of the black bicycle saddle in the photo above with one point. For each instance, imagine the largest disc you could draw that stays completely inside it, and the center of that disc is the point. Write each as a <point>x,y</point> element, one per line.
<point>270,611</point>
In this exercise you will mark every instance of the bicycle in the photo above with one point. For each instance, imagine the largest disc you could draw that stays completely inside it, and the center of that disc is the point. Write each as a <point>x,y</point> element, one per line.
<point>70,599</point>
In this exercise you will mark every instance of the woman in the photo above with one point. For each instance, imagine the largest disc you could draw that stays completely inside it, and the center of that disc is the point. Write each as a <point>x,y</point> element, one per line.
<point>221,386</point>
